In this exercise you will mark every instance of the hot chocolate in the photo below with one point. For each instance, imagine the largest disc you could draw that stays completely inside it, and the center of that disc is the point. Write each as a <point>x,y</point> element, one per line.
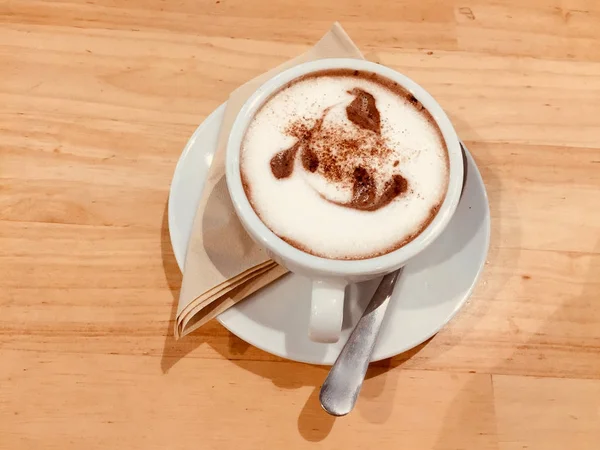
<point>344,164</point>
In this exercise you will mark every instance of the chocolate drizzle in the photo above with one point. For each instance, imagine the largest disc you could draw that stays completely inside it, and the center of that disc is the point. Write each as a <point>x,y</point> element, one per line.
<point>394,187</point>
<point>363,111</point>
<point>364,191</point>
<point>310,160</point>
<point>353,159</point>
<point>282,164</point>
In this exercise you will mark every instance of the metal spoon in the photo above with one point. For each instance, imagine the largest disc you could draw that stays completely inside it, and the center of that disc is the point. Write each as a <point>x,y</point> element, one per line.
<point>342,385</point>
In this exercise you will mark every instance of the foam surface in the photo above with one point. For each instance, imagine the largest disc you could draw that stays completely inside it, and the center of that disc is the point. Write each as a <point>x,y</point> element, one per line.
<point>308,209</point>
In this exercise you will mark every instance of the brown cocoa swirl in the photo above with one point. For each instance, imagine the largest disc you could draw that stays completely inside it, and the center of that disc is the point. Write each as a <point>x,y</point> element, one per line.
<point>314,143</point>
<point>363,111</point>
<point>282,164</point>
<point>342,158</point>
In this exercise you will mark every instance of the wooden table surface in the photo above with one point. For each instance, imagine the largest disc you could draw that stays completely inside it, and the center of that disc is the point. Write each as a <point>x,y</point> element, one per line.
<point>97,100</point>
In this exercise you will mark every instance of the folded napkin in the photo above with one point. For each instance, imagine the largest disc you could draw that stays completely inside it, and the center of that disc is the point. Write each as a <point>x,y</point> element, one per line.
<point>223,264</point>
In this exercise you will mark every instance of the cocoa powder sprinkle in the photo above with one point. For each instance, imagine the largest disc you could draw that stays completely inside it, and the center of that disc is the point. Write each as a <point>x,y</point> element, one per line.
<point>351,158</point>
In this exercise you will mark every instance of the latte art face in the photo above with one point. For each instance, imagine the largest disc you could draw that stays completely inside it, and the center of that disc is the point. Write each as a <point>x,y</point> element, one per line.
<point>345,156</point>
<point>344,164</point>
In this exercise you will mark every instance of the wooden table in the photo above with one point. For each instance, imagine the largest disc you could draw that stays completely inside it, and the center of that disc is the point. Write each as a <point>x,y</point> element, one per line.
<point>97,100</point>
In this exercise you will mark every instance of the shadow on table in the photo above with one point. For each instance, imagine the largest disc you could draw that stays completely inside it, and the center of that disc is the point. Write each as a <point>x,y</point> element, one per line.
<point>459,428</point>
<point>456,428</point>
<point>314,424</point>
<point>471,420</point>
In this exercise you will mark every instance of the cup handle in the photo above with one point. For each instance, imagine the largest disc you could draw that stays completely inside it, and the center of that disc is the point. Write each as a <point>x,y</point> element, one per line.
<point>326,310</point>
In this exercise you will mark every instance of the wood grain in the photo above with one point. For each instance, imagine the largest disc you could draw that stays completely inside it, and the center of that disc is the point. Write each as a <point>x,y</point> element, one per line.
<point>97,100</point>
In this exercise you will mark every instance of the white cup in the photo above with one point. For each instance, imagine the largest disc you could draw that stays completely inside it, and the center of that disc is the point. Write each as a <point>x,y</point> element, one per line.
<point>330,277</point>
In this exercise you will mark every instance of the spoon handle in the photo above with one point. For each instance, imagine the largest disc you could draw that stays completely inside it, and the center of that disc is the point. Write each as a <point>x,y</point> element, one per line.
<point>342,385</point>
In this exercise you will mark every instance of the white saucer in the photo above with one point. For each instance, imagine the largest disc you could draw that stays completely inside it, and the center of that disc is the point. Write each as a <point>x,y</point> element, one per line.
<point>432,288</point>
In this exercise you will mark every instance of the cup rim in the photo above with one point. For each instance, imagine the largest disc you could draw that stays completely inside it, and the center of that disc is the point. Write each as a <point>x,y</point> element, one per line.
<point>334,267</point>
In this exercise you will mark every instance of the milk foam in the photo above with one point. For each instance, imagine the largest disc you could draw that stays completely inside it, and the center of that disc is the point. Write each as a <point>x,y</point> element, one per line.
<point>306,208</point>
